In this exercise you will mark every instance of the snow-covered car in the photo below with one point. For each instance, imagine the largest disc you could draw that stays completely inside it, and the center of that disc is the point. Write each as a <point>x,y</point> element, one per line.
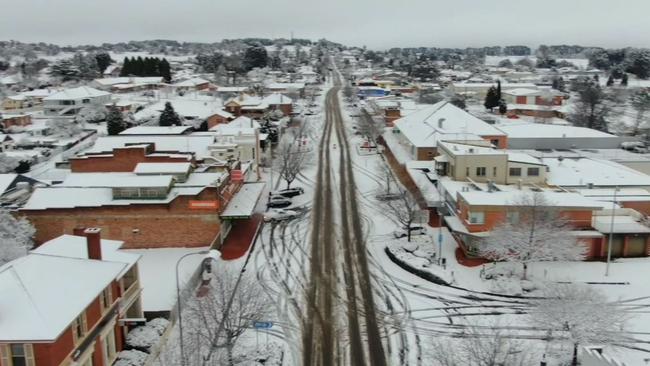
<point>278,202</point>
<point>279,214</point>
<point>289,192</point>
<point>415,230</point>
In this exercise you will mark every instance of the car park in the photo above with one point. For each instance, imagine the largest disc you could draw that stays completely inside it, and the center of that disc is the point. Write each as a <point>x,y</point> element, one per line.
<point>278,202</point>
<point>289,192</point>
<point>279,214</point>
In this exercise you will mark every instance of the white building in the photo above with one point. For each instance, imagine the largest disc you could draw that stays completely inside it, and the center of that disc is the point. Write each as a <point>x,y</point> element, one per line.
<point>70,101</point>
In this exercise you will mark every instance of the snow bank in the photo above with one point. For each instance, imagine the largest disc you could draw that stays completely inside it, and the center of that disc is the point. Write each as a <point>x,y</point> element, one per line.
<point>143,338</point>
<point>416,258</point>
<point>131,358</point>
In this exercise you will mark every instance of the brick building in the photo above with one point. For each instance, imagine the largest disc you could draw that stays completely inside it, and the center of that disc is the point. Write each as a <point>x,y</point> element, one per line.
<point>67,302</point>
<point>125,159</point>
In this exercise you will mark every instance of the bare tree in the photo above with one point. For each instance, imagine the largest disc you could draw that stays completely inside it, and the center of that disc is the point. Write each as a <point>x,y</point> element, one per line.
<point>533,231</point>
<point>64,127</point>
<point>369,128</point>
<point>404,209</point>
<point>290,159</point>
<point>640,101</point>
<point>479,347</point>
<point>580,313</point>
<point>15,236</point>
<point>214,320</point>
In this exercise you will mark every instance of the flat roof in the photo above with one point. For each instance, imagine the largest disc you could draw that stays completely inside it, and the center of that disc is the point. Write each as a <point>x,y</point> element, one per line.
<point>623,224</point>
<point>156,130</point>
<point>244,201</point>
<point>579,172</point>
<point>116,180</point>
<point>541,130</point>
<point>510,198</point>
<point>162,168</point>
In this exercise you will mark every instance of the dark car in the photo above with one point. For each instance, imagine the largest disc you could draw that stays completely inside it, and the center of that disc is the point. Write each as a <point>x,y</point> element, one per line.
<point>278,202</point>
<point>289,192</point>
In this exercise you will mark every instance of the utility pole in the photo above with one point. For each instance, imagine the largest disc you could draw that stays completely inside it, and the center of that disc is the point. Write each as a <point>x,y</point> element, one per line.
<point>611,233</point>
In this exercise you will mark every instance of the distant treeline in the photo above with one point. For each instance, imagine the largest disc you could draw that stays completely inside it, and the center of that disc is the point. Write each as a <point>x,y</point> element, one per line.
<point>148,66</point>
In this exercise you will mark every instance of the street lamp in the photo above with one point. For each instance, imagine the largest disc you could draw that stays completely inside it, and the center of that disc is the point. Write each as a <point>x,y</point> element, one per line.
<point>209,254</point>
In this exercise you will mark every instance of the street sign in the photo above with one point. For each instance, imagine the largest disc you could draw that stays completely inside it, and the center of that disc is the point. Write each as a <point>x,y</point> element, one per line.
<point>204,205</point>
<point>262,325</point>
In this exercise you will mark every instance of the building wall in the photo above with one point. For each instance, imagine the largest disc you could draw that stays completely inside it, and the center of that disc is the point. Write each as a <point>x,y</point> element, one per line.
<point>122,160</point>
<point>641,206</point>
<point>155,225</point>
<point>425,153</point>
<point>285,108</point>
<point>9,104</point>
<point>216,120</point>
<point>525,178</point>
<point>501,142</point>
<point>460,163</point>
<point>23,120</point>
<point>52,354</point>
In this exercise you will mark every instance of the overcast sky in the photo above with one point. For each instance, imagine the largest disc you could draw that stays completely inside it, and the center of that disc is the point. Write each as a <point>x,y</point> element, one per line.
<point>378,24</point>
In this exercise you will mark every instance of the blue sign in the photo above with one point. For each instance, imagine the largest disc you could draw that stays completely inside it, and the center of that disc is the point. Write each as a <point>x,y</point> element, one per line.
<point>262,325</point>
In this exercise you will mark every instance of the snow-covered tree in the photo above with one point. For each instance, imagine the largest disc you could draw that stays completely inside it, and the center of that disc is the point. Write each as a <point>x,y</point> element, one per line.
<point>16,236</point>
<point>255,56</point>
<point>64,127</point>
<point>115,121</point>
<point>8,163</point>
<point>640,101</point>
<point>91,114</point>
<point>533,231</point>
<point>581,313</point>
<point>404,209</point>
<point>369,128</point>
<point>592,106</point>
<point>169,117</point>
<point>479,347</point>
<point>290,161</point>
<point>216,316</point>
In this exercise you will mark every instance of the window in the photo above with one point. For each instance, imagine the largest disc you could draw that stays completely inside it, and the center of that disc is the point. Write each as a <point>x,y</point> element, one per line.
<point>476,217</point>
<point>494,171</point>
<point>480,171</point>
<point>106,298</point>
<point>467,171</point>
<point>512,217</point>
<point>110,350</point>
<point>515,172</point>
<point>533,172</point>
<point>85,101</point>
<point>495,142</point>
<point>79,328</point>
<point>17,354</point>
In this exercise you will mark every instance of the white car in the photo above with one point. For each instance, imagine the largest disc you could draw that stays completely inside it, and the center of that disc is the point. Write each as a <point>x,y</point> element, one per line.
<point>279,214</point>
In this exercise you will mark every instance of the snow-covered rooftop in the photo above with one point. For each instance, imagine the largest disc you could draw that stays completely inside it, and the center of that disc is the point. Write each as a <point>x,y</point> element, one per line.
<point>156,130</point>
<point>116,180</point>
<point>6,180</point>
<point>509,198</point>
<point>244,201</point>
<point>77,93</point>
<point>624,224</point>
<point>43,294</point>
<point>190,83</point>
<point>541,130</point>
<point>76,247</point>
<point>129,80</point>
<point>442,120</point>
<point>162,168</point>
<point>601,173</point>
<point>277,99</point>
<point>197,144</point>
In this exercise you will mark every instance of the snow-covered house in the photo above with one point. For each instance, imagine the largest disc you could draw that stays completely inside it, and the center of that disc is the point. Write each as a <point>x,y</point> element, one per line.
<point>52,315</point>
<point>70,101</point>
<point>418,133</point>
<point>192,84</point>
<point>527,135</point>
<point>237,142</point>
<point>193,112</point>
<point>128,84</point>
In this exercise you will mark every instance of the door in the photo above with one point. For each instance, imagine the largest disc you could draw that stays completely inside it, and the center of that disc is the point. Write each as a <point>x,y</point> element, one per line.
<point>636,246</point>
<point>617,246</point>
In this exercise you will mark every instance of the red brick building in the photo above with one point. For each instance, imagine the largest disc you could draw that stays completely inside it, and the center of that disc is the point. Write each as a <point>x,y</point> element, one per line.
<point>19,120</point>
<point>66,302</point>
<point>125,159</point>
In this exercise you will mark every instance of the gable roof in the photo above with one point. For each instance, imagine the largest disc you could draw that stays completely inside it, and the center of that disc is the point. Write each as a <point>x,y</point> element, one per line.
<point>77,93</point>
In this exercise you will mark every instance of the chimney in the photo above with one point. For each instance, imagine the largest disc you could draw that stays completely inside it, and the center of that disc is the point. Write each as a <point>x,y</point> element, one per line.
<point>79,231</point>
<point>93,241</point>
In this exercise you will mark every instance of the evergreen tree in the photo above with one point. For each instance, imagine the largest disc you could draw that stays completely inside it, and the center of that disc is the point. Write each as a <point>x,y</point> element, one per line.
<point>255,56</point>
<point>138,67</point>
<point>491,99</point>
<point>558,84</point>
<point>127,67</point>
<point>103,61</point>
<point>169,117</point>
<point>115,121</point>
<point>164,70</point>
<point>503,107</point>
<point>592,107</point>
<point>624,80</point>
<point>610,80</point>
<point>499,89</point>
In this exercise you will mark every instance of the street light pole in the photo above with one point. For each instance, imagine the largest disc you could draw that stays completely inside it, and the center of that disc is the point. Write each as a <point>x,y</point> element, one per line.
<point>208,254</point>
<point>611,234</point>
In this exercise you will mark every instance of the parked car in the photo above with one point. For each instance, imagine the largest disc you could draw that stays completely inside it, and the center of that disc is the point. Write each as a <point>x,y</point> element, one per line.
<point>289,192</point>
<point>415,230</point>
<point>278,202</point>
<point>279,214</point>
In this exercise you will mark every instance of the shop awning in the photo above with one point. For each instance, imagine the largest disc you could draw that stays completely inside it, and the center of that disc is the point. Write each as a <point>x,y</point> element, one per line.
<point>241,206</point>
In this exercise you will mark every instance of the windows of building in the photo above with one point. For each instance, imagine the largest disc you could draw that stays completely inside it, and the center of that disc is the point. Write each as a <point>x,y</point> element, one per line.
<point>480,171</point>
<point>110,350</point>
<point>17,354</point>
<point>85,101</point>
<point>533,172</point>
<point>495,142</point>
<point>476,217</point>
<point>515,172</point>
<point>512,217</point>
<point>467,171</point>
<point>494,171</point>
<point>106,298</point>
<point>79,328</point>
